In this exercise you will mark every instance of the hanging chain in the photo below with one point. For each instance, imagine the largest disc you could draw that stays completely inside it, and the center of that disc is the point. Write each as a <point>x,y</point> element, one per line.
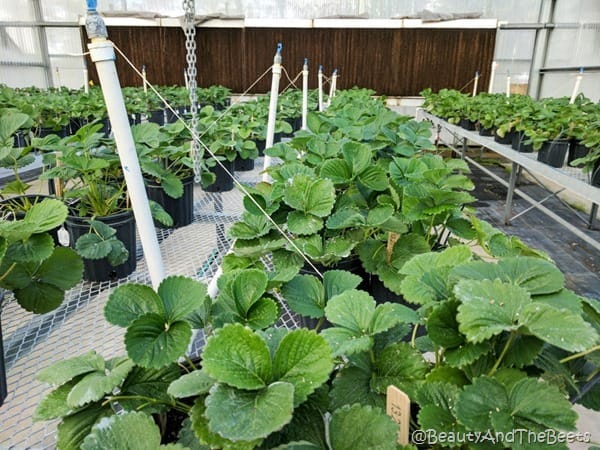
<point>189,29</point>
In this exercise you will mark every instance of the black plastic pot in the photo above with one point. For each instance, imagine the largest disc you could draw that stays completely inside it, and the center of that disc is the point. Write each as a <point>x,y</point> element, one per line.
<point>243,165</point>
<point>467,124</point>
<point>172,118</point>
<point>224,182</point>
<point>486,131</point>
<point>101,269</point>
<point>180,209</point>
<point>518,143</point>
<point>61,132</point>
<point>19,140</point>
<point>506,140</point>
<point>157,117</point>
<point>260,146</point>
<point>554,152</point>
<point>576,150</point>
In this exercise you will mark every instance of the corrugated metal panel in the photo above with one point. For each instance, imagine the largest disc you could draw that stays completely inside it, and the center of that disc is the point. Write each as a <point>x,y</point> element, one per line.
<point>63,10</point>
<point>19,45</point>
<point>10,13</point>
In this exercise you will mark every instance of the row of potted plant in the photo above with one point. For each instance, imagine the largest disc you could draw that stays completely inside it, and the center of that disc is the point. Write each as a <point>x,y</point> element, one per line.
<point>554,127</point>
<point>505,344</point>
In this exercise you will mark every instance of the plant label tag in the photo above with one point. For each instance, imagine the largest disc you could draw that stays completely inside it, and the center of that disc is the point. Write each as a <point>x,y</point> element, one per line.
<point>398,408</point>
<point>63,237</point>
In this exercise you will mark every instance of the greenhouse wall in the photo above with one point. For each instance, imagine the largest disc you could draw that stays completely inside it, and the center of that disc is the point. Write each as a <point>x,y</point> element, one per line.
<point>533,35</point>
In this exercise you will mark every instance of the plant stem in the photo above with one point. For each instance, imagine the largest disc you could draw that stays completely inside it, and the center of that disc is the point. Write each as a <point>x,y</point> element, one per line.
<point>414,335</point>
<point>319,323</point>
<point>190,362</point>
<point>8,271</point>
<point>579,355</point>
<point>509,342</point>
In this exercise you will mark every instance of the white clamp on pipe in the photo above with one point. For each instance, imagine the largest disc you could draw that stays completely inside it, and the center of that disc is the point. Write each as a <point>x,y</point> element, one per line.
<point>320,78</point>
<point>103,55</point>
<point>272,109</point>
<point>305,94</point>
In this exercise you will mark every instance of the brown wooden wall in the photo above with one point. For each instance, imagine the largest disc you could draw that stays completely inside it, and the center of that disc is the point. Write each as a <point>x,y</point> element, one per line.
<point>393,62</point>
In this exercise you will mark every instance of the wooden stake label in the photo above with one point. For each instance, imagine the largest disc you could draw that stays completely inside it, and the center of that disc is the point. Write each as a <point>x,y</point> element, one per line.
<point>398,408</point>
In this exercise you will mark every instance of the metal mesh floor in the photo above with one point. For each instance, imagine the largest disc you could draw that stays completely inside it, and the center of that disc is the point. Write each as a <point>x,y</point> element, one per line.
<point>32,342</point>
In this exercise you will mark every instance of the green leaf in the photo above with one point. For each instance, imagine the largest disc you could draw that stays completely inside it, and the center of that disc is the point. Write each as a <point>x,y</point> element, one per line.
<point>337,170</point>
<point>251,227</point>
<point>152,342</point>
<point>129,302</point>
<point>46,215</point>
<point>237,356</point>
<point>37,248</point>
<point>345,218</point>
<point>536,275</point>
<point>375,178</point>
<point>305,295</point>
<point>262,314</point>
<point>181,296</point>
<point>248,415</point>
<point>389,315</point>
<point>128,431</point>
<point>479,402</point>
<point>346,342</point>
<point>188,438</point>
<point>142,383</point>
<point>310,196</point>
<point>442,326</point>
<point>93,386</point>
<point>466,354</point>
<point>39,297</point>
<point>191,384</point>
<point>303,359</point>
<point>199,424</point>
<point>559,327</point>
<point>62,371</point>
<point>400,365</point>
<point>337,281</point>
<point>92,246</point>
<point>302,223</point>
<point>63,269</point>
<point>489,308</point>
<point>74,428</point>
<point>362,427</point>
<point>242,288</point>
<point>353,385</point>
<point>352,309</point>
<point>54,404</point>
<point>379,215</point>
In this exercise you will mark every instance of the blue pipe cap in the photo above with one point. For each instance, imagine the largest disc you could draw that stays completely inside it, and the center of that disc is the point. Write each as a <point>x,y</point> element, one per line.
<point>279,47</point>
<point>92,5</point>
<point>320,68</point>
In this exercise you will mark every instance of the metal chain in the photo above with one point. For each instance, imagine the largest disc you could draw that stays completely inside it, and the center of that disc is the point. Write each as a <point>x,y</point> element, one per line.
<point>189,8</point>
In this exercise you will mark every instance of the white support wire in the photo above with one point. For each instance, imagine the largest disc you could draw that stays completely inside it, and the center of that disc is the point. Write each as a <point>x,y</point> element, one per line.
<point>240,186</point>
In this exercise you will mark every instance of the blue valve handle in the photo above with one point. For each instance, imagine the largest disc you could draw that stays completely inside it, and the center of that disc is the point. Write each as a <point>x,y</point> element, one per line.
<point>92,5</point>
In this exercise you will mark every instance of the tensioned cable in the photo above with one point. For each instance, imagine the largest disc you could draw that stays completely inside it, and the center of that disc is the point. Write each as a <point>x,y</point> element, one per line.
<point>291,82</point>
<point>240,186</point>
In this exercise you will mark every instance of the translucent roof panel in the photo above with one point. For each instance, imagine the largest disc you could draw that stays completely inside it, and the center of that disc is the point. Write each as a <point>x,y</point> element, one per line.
<point>577,11</point>
<point>10,13</point>
<point>19,45</point>
<point>63,10</point>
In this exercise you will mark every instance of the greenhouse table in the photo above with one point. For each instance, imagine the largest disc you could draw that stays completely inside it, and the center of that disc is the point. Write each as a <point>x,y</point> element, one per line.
<point>565,178</point>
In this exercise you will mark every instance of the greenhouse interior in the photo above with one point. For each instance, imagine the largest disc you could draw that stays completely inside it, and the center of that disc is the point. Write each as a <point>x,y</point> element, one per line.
<point>232,224</point>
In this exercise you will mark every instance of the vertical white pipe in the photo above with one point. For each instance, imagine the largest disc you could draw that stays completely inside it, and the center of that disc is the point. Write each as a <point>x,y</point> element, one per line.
<point>144,79</point>
<point>103,55</point>
<point>272,108</point>
<point>492,76</point>
<point>475,83</point>
<point>320,79</point>
<point>304,93</point>
<point>58,81</point>
<point>332,86</point>
<point>86,81</point>
<point>508,84</point>
<point>577,85</point>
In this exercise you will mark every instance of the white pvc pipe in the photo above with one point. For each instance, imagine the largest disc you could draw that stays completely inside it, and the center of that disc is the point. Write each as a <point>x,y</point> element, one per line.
<point>86,81</point>
<point>320,79</point>
<point>577,85</point>
<point>144,79</point>
<point>492,76</point>
<point>103,55</point>
<point>304,94</point>
<point>475,83</point>
<point>212,288</point>
<point>508,85</point>
<point>332,87</point>
<point>272,109</point>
